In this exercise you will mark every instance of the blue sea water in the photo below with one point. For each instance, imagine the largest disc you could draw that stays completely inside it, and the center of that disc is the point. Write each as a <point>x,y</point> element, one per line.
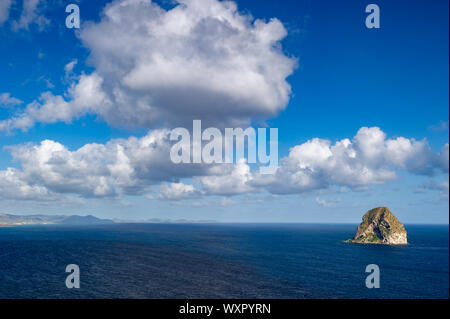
<point>219,261</point>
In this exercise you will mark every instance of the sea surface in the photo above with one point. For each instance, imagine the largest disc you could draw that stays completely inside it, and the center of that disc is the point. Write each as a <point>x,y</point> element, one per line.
<point>219,261</point>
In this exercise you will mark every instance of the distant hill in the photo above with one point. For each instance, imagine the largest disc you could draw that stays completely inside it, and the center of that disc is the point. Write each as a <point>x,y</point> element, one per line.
<point>84,220</point>
<point>17,220</point>
<point>158,220</point>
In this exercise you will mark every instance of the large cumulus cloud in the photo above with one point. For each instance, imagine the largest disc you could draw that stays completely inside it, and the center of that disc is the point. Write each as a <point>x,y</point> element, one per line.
<point>202,59</point>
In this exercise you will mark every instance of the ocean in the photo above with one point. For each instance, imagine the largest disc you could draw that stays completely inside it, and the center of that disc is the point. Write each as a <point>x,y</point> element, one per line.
<point>219,261</point>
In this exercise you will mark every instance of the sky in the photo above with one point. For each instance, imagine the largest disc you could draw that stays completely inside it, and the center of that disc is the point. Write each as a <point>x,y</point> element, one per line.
<point>362,114</point>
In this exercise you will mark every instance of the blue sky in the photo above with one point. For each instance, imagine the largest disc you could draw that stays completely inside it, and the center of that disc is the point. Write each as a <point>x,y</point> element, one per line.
<point>346,77</point>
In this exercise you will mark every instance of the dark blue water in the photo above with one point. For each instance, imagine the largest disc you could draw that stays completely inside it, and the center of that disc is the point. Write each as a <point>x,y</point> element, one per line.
<point>219,261</point>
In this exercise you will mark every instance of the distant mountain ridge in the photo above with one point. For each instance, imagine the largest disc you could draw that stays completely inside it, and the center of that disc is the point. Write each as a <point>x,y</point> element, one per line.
<point>18,220</point>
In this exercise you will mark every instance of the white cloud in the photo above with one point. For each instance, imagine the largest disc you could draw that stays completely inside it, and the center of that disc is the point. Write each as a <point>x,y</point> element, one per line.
<point>6,100</point>
<point>31,14</point>
<point>442,187</point>
<point>83,97</point>
<point>68,68</point>
<point>226,201</point>
<point>202,59</point>
<point>414,156</point>
<point>178,191</point>
<point>4,10</point>
<point>132,166</point>
<point>330,203</point>
<point>230,180</point>
<point>14,186</point>
<point>121,166</point>
<point>369,158</point>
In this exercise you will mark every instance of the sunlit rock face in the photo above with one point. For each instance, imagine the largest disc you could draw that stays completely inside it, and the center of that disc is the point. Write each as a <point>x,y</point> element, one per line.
<point>380,226</point>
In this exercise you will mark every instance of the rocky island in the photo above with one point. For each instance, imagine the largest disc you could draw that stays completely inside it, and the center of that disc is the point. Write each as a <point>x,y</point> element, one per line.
<point>380,226</point>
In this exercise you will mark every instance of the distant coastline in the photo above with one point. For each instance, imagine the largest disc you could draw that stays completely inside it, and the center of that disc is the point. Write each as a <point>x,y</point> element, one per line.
<point>9,220</point>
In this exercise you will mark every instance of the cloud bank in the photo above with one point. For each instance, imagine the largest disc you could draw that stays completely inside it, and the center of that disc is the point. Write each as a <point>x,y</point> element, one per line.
<point>366,159</point>
<point>134,166</point>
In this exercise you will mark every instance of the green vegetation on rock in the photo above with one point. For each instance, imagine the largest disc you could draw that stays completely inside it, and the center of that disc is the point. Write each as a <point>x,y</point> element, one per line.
<point>380,226</point>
